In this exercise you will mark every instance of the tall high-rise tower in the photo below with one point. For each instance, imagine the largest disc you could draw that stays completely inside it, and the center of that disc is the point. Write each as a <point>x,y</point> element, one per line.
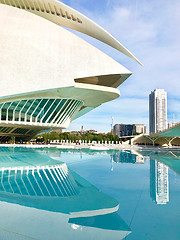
<point>157,110</point>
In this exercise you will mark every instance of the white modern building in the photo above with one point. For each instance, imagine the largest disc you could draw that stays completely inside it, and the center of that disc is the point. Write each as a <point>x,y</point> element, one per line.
<point>48,75</point>
<point>157,111</point>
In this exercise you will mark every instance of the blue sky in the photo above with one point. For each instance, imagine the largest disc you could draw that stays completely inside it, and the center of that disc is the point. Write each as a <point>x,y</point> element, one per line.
<point>150,30</point>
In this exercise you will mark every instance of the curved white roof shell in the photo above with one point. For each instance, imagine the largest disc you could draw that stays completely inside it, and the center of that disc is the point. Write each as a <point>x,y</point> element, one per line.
<point>64,15</point>
<point>38,55</point>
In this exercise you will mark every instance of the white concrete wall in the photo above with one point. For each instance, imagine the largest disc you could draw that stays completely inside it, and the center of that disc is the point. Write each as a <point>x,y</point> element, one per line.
<point>64,15</point>
<point>37,55</point>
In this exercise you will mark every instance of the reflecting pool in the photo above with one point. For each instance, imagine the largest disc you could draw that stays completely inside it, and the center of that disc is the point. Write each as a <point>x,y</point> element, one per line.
<point>52,193</point>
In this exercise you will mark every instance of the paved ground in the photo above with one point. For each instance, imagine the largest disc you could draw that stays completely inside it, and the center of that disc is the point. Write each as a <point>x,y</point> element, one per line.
<point>92,146</point>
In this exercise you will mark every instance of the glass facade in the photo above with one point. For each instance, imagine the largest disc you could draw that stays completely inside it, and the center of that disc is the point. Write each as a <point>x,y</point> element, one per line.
<point>40,112</point>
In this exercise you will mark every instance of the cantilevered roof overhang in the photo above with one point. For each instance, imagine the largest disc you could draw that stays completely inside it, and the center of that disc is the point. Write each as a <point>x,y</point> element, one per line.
<point>167,137</point>
<point>91,95</point>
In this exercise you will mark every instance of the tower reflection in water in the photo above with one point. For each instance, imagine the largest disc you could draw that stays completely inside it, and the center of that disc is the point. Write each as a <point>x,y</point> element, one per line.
<point>160,162</point>
<point>159,182</point>
<point>40,198</point>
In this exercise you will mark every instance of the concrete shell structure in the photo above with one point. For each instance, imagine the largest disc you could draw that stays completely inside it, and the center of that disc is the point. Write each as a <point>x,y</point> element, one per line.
<point>48,75</point>
<point>167,138</point>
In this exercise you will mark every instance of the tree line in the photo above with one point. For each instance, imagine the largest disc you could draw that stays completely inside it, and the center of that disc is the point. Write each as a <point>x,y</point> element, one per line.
<point>73,137</point>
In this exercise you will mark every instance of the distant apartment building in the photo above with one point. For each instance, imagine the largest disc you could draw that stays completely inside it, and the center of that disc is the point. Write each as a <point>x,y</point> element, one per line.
<point>140,128</point>
<point>122,130</point>
<point>157,111</point>
<point>159,182</point>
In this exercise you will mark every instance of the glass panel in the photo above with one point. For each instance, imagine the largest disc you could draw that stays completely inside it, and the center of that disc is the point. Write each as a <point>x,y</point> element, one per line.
<point>10,115</point>
<point>16,116</point>
<point>63,109</point>
<point>74,108</point>
<point>27,105</point>
<point>41,114</point>
<point>6,105</point>
<point>33,119</point>
<point>22,117</point>
<point>41,105</point>
<point>28,118</point>
<point>51,110</point>
<point>68,109</point>
<point>13,105</point>
<point>46,108</point>
<point>30,111</point>
<point>3,114</point>
<point>20,105</point>
<point>59,110</point>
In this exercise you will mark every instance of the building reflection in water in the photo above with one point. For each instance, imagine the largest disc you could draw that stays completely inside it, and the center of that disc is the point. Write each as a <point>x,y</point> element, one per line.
<point>127,156</point>
<point>40,198</point>
<point>159,182</point>
<point>159,179</point>
<point>160,162</point>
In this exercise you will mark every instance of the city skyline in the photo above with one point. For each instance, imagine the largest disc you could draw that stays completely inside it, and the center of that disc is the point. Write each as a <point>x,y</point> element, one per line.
<point>149,35</point>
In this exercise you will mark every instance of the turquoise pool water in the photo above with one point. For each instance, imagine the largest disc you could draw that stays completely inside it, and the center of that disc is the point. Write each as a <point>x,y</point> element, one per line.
<point>81,194</point>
